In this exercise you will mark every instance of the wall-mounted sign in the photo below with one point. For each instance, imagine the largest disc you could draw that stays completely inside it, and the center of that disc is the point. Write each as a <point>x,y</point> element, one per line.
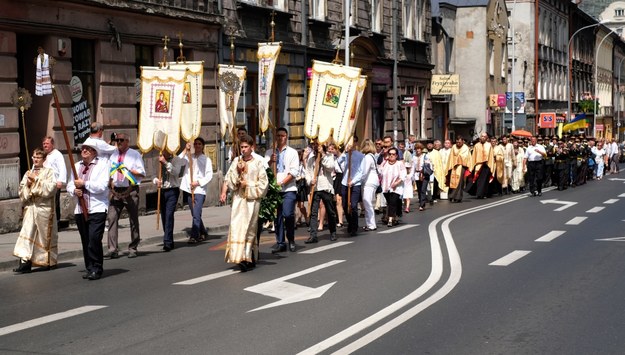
<point>547,120</point>
<point>448,84</point>
<point>82,121</point>
<point>409,100</point>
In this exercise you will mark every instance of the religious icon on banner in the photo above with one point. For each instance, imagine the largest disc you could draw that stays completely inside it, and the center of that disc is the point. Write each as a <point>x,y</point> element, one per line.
<point>186,93</point>
<point>162,103</point>
<point>332,95</point>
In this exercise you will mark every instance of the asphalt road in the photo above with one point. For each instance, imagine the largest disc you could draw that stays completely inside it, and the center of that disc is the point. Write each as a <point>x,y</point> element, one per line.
<point>467,278</point>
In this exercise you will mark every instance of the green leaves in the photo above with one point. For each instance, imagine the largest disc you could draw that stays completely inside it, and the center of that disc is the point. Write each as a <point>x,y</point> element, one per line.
<point>269,204</point>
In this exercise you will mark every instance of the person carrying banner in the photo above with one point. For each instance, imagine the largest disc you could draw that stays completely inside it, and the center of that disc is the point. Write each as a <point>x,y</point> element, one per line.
<point>350,162</point>
<point>193,185</point>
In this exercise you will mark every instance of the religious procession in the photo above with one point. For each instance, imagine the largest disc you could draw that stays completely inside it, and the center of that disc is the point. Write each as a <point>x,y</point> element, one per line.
<point>339,182</point>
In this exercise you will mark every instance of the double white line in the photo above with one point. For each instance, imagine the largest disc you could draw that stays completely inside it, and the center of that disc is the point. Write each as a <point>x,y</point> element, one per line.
<point>434,277</point>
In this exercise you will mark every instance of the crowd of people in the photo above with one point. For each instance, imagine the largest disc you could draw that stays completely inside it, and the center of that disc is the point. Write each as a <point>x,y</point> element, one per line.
<point>323,184</point>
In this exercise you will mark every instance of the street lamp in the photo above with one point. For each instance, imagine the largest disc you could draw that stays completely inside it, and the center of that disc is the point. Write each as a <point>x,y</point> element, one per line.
<point>594,116</point>
<point>568,66</point>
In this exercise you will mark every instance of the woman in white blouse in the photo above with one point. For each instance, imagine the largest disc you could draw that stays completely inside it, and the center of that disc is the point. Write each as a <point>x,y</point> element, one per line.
<point>393,174</point>
<point>370,183</point>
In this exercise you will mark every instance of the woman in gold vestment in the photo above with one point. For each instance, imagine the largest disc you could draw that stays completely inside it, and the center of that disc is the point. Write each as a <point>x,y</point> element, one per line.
<point>37,241</point>
<point>248,182</point>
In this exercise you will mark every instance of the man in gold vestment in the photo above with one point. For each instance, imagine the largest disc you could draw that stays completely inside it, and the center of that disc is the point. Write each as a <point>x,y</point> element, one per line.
<point>484,163</point>
<point>457,170</point>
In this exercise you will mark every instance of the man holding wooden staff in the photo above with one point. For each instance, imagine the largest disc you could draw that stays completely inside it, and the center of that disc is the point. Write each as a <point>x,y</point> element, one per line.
<point>319,168</point>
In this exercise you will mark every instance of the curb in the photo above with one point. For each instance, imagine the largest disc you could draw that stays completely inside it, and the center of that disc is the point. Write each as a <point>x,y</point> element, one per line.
<point>179,236</point>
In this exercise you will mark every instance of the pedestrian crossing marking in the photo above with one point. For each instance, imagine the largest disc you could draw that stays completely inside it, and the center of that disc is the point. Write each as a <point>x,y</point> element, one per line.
<point>611,201</point>
<point>510,258</point>
<point>595,210</point>
<point>550,236</point>
<point>324,248</point>
<point>48,319</point>
<point>576,220</point>
<point>397,229</point>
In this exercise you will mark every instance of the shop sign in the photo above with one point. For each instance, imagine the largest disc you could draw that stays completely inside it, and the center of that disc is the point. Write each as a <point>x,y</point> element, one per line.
<point>448,84</point>
<point>547,120</point>
<point>409,100</point>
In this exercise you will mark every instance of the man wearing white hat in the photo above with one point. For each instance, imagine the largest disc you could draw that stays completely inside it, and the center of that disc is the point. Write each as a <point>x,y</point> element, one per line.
<point>91,186</point>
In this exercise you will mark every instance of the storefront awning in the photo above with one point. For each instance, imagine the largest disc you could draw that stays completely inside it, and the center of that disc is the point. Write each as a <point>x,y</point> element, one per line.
<point>462,121</point>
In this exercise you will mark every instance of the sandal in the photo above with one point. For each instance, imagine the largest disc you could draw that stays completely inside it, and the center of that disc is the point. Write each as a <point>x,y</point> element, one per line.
<point>339,225</point>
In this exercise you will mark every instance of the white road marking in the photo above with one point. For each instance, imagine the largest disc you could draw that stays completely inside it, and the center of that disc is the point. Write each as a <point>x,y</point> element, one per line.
<point>510,258</point>
<point>324,248</point>
<point>611,201</point>
<point>397,229</point>
<point>595,209</point>
<point>216,275</point>
<point>565,204</point>
<point>550,236</point>
<point>621,195</point>
<point>288,292</point>
<point>434,277</point>
<point>576,220</point>
<point>617,239</point>
<point>48,319</point>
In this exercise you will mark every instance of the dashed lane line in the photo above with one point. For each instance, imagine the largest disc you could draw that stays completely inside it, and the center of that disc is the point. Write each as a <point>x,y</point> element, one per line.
<point>48,319</point>
<point>576,220</point>
<point>550,236</point>
<point>595,209</point>
<point>510,258</point>
<point>324,248</point>
<point>205,278</point>
<point>397,229</point>
<point>611,201</point>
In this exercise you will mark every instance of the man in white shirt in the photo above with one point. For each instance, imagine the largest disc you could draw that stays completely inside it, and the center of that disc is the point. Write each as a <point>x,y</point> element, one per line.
<point>105,149</point>
<point>126,172</point>
<point>351,161</point>
<point>92,186</point>
<point>533,162</point>
<point>287,168</point>
<point>56,162</point>
<point>198,174</point>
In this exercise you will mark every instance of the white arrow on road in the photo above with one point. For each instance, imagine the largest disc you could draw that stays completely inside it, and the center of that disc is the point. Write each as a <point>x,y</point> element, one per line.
<point>288,292</point>
<point>566,204</point>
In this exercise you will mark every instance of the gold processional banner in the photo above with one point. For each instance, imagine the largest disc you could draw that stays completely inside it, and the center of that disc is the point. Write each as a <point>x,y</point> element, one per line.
<point>230,82</point>
<point>267,58</point>
<point>191,118</point>
<point>351,124</point>
<point>333,91</point>
<point>161,108</point>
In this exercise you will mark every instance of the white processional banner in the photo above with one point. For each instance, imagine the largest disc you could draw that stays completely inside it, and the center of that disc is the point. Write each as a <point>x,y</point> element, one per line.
<point>191,118</point>
<point>267,58</point>
<point>351,124</point>
<point>331,98</point>
<point>230,82</point>
<point>161,107</point>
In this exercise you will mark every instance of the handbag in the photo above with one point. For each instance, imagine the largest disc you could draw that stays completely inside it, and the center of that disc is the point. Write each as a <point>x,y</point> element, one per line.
<point>378,190</point>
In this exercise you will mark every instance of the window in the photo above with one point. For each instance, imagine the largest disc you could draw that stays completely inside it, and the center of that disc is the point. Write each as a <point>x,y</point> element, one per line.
<point>281,5</point>
<point>504,61</point>
<point>412,18</point>
<point>318,9</point>
<point>619,12</point>
<point>376,16</point>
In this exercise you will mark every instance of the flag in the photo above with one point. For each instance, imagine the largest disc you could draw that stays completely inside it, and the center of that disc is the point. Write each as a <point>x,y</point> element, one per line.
<point>230,82</point>
<point>579,116</point>
<point>191,118</point>
<point>333,91</point>
<point>351,123</point>
<point>267,58</point>
<point>161,107</point>
<point>577,124</point>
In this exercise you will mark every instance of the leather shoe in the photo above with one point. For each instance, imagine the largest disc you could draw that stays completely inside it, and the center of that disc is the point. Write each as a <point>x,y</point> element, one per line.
<point>278,249</point>
<point>93,276</point>
<point>292,246</point>
<point>310,241</point>
<point>243,267</point>
<point>333,236</point>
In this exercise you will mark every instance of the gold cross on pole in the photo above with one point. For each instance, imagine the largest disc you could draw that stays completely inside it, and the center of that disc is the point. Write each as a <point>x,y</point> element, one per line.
<point>273,25</point>
<point>181,57</point>
<point>165,50</point>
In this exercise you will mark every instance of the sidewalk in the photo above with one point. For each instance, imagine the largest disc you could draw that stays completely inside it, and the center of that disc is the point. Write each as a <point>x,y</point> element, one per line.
<point>216,220</point>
